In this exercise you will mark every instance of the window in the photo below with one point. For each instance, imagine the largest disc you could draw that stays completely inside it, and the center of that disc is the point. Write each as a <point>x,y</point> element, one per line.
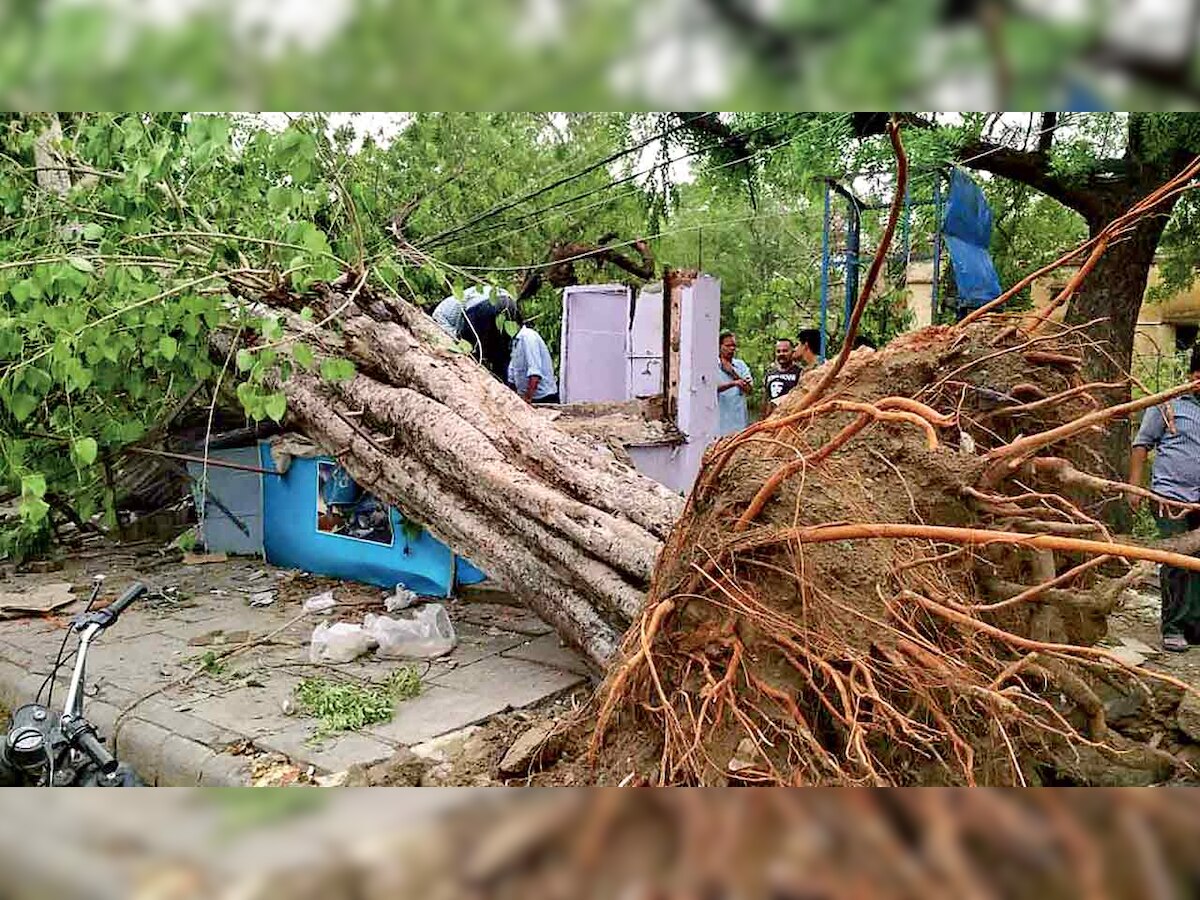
<point>346,510</point>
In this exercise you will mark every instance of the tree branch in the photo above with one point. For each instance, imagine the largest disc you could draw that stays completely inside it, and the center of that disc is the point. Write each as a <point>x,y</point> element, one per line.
<point>1046,137</point>
<point>1033,169</point>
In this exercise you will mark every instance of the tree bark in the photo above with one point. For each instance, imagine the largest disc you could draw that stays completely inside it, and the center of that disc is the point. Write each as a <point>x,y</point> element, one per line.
<point>1111,297</point>
<point>552,517</point>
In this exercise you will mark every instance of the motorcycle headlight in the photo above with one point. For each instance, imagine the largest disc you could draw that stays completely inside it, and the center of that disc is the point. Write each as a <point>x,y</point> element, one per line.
<point>26,748</point>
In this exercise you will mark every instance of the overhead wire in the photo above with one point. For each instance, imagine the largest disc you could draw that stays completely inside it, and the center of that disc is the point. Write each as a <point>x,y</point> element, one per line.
<point>505,205</point>
<point>468,270</point>
<point>631,190</point>
<point>612,184</point>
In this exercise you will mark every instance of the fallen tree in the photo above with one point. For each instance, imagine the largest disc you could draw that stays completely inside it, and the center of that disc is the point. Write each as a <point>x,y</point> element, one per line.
<point>558,520</point>
<point>899,577</point>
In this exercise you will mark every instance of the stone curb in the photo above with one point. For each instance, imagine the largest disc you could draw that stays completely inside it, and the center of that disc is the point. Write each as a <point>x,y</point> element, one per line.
<point>159,756</point>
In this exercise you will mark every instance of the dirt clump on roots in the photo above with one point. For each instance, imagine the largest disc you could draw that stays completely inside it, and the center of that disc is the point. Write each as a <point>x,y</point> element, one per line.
<point>895,582</point>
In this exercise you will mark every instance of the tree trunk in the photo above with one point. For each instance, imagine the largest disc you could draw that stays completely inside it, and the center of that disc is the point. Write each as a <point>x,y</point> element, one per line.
<point>1111,297</point>
<point>557,520</point>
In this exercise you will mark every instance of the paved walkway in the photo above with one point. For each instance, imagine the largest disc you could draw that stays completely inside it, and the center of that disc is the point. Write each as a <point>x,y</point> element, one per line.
<point>207,729</point>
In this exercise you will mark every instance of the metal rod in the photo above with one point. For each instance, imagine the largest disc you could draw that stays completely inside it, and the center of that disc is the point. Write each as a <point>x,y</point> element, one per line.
<point>668,280</point>
<point>216,463</point>
<point>937,249</point>
<point>853,226</point>
<point>825,271</point>
<point>241,526</point>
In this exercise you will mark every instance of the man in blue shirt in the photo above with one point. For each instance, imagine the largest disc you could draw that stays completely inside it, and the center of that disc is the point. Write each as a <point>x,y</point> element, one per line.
<point>1175,440</point>
<point>734,384</point>
<point>530,368</point>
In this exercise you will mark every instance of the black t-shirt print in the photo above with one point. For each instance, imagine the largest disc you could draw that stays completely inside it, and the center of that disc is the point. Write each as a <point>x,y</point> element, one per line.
<point>779,381</point>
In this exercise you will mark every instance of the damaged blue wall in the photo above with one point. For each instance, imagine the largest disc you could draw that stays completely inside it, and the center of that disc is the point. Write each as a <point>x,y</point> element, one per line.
<point>281,512</point>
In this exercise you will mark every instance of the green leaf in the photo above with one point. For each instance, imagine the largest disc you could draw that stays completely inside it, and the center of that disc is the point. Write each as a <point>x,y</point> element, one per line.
<point>461,346</point>
<point>245,360</point>
<point>85,450</point>
<point>33,509</point>
<point>511,328</point>
<point>93,231</point>
<point>275,406</point>
<point>83,265</point>
<point>245,393</point>
<point>168,347</point>
<point>337,370</point>
<point>306,314</point>
<point>303,355</point>
<point>271,329</point>
<point>33,485</point>
<point>22,405</point>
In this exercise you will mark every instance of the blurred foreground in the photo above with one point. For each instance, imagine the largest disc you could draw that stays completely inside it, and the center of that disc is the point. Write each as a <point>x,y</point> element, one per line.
<point>252,845</point>
<point>540,54</point>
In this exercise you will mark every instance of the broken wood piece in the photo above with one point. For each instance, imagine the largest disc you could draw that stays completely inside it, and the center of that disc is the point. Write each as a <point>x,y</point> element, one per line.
<point>38,601</point>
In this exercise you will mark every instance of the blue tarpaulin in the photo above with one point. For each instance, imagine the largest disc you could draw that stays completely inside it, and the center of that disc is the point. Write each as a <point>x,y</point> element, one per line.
<point>967,227</point>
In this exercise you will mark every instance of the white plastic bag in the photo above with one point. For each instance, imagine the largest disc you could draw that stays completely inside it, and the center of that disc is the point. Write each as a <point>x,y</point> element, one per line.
<point>402,599</point>
<point>320,603</point>
<point>428,634</point>
<point>338,643</point>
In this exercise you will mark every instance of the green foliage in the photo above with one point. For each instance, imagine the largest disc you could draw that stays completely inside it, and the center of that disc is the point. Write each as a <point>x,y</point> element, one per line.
<point>109,295</point>
<point>411,530</point>
<point>349,706</point>
<point>212,666</point>
<point>1145,527</point>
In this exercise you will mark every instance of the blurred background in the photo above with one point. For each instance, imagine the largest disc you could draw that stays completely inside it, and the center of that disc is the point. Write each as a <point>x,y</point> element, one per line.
<point>619,843</point>
<point>574,54</point>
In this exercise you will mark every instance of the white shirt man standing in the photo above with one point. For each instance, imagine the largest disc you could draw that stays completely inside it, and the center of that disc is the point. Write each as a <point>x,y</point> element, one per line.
<point>531,369</point>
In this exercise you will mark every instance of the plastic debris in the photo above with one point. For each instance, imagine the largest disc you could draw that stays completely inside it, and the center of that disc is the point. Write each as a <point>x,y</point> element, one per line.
<point>263,598</point>
<point>428,634</point>
<point>403,598</point>
<point>320,603</point>
<point>338,643</point>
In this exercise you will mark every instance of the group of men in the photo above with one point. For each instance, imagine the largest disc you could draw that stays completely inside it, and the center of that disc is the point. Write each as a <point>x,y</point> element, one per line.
<point>522,359</point>
<point>735,382</point>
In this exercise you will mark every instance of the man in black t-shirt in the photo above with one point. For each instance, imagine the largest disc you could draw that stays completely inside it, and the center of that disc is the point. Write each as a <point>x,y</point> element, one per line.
<point>781,377</point>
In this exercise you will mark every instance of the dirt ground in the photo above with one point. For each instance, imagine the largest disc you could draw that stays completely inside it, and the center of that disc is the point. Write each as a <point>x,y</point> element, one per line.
<point>473,755</point>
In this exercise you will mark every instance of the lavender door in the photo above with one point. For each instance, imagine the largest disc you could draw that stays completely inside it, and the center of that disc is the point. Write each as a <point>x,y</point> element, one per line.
<point>595,329</point>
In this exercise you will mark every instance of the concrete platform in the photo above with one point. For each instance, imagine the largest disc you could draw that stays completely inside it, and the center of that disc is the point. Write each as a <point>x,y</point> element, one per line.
<point>207,729</point>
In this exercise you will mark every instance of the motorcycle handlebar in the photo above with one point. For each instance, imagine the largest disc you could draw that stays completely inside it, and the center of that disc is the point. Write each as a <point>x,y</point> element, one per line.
<point>87,741</point>
<point>134,591</point>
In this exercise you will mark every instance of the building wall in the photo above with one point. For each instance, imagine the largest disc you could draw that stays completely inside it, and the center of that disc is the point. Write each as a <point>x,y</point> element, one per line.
<point>612,351</point>
<point>1157,322</point>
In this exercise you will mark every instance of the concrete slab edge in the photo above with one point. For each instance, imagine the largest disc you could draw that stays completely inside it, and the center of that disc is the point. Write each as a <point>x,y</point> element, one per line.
<point>157,755</point>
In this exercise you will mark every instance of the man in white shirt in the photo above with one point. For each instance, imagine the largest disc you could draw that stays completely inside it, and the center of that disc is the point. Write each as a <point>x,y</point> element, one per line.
<point>530,368</point>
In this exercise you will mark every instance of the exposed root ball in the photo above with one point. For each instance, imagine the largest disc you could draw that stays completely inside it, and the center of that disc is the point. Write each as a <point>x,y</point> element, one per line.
<point>788,639</point>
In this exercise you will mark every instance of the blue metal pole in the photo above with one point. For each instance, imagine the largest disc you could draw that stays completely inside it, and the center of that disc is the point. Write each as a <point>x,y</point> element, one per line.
<point>825,271</point>
<point>851,257</point>
<point>937,243</point>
